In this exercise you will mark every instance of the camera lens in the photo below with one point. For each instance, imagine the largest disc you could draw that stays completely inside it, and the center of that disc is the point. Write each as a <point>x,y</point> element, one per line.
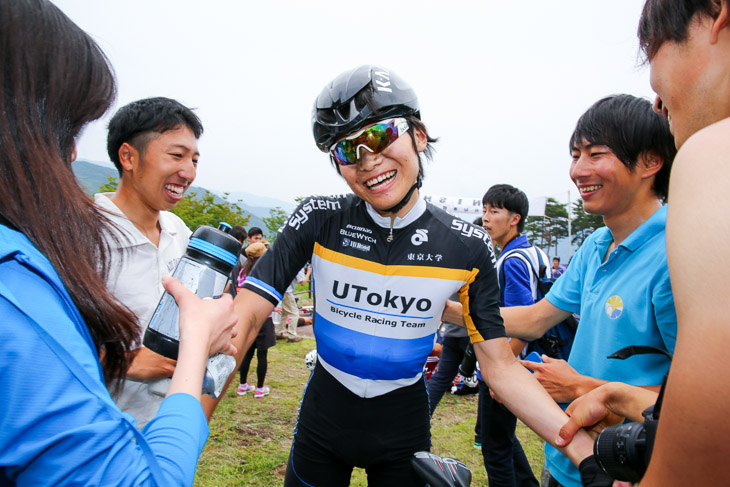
<point>469,362</point>
<point>621,451</point>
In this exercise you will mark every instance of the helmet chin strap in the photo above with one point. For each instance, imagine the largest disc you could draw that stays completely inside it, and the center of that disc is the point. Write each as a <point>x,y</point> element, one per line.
<point>407,197</point>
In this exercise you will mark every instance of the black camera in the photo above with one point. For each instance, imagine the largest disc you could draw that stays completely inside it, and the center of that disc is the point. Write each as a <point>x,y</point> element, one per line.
<point>469,363</point>
<point>623,451</point>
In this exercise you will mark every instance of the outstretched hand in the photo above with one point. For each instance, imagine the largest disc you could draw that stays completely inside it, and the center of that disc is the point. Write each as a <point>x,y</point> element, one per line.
<point>591,412</point>
<point>210,321</point>
<point>559,379</point>
<point>604,406</point>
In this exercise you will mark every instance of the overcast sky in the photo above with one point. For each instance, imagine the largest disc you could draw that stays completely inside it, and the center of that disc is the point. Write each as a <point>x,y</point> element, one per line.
<point>500,83</point>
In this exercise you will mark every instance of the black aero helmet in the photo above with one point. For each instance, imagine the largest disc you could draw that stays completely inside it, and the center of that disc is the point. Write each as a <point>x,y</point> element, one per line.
<point>358,97</point>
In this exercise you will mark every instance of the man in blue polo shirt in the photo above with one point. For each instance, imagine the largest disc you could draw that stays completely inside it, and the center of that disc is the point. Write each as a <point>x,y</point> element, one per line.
<point>618,280</point>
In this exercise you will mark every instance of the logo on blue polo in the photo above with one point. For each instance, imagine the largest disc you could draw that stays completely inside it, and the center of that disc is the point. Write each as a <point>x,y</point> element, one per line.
<point>614,307</point>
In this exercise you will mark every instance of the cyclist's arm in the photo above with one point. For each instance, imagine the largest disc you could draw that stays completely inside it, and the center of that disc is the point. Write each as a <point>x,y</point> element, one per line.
<point>252,310</point>
<point>525,397</point>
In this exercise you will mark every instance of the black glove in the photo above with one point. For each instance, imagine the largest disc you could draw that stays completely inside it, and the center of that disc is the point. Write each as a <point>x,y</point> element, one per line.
<point>591,475</point>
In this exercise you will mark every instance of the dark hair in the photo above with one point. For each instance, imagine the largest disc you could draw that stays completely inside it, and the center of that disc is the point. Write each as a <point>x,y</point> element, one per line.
<point>239,233</point>
<point>56,80</point>
<point>509,198</point>
<point>630,128</point>
<point>556,258</point>
<point>137,122</point>
<point>248,265</point>
<point>253,231</point>
<point>669,20</point>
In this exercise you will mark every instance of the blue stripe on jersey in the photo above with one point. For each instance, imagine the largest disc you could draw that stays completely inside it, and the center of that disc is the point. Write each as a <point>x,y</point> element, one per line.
<point>371,357</point>
<point>265,287</point>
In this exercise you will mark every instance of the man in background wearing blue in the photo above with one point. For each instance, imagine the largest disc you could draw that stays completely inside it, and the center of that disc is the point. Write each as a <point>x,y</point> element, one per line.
<point>505,211</point>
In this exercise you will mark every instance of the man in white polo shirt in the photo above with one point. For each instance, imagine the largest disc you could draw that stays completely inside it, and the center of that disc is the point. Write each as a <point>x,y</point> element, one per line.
<point>153,144</point>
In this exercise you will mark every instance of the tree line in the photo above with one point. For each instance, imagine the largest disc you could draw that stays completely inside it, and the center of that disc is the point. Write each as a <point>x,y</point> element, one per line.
<point>195,210</point>
<point>546,231</point>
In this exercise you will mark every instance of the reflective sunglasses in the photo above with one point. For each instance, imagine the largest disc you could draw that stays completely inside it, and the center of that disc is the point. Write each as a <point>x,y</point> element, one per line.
<point>375,139</point>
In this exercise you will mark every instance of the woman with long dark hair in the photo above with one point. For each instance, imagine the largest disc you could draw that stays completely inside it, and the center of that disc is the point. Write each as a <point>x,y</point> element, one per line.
<point>62,334</point>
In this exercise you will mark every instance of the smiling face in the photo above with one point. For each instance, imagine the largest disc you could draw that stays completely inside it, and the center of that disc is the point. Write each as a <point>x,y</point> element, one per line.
<point>607,186</point>
<point>690,79</point>
<point>383,179</point>
<point>162,172</point>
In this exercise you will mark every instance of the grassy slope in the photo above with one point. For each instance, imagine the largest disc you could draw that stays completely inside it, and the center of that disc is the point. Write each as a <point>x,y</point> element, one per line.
<point>250,438</point>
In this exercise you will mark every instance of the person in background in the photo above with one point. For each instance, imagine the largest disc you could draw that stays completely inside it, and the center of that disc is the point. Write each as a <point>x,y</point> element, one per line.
<point>264,340</point>
<point>255,234</point>
<point>505,211</point>
<point>60,322</point>
<point>240,234</point>
<point>557,269</point>
<point>154,145</point>
<point>289,310</point>
<point>454,341</point>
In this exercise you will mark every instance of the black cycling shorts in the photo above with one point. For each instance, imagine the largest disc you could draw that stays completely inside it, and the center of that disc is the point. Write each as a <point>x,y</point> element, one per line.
<point>338,430</point>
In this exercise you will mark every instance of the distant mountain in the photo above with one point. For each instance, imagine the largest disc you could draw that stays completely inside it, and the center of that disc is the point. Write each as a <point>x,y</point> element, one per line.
<point>91,175</point>
<point>259,201</point>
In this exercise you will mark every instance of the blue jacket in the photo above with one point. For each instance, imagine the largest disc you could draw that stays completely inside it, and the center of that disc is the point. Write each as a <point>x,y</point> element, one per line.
<point>58,424</point>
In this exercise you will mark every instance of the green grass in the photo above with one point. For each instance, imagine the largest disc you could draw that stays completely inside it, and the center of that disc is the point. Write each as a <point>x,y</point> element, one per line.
<point>250,438</point>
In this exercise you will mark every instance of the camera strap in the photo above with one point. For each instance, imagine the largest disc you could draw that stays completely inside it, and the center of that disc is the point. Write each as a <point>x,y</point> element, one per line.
<point>632,350</point>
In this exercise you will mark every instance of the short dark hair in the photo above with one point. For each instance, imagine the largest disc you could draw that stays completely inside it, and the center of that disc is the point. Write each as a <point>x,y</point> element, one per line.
<point>511,199</point>
<point>556,258</point>
<point>669,20</point>
<point>135,122</point>
<point>239,233</point>
<point>253,231</point>
<point>630,127</point>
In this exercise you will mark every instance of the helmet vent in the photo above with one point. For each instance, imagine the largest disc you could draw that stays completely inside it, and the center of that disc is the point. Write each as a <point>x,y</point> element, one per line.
<point>343,112</point>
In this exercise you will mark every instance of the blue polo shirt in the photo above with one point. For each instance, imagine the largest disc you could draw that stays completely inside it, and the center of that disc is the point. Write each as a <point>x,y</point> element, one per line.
<point>626,300</point>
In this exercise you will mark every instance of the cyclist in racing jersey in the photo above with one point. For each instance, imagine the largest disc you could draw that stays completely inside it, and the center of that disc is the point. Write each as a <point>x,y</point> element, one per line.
<point>384,264</point>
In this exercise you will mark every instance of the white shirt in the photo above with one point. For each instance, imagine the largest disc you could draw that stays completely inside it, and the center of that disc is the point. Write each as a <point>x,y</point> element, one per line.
<point>135,274</point>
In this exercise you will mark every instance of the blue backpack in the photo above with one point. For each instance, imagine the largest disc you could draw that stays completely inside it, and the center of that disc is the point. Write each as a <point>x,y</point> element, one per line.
<point>558,340</point>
